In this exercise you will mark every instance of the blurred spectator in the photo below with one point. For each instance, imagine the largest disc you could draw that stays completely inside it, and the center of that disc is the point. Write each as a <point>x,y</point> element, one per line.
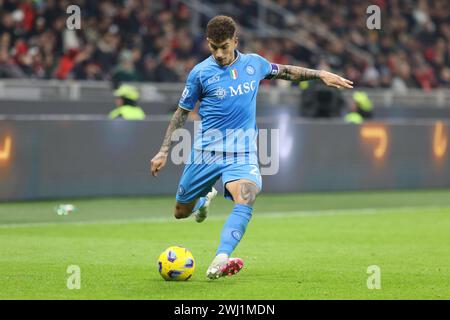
<point>444,78</point>
<point>65,65</point>
<point>125,71</point>
<point>8,69</point>
<point>165,71</point>
<point>148,69</point>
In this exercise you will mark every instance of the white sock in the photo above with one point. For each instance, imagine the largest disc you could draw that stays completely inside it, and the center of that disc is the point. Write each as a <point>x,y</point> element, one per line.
<point>220,260</point>
<point>221,256</point>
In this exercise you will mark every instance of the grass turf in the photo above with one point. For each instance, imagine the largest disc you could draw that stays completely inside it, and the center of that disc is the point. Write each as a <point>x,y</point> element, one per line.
<point>298,246</point>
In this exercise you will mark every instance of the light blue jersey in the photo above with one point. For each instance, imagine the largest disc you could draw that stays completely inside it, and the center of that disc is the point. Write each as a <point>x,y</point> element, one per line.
<point>227,96</point>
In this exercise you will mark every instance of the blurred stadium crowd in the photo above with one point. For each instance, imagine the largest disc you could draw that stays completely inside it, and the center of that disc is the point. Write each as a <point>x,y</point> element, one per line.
<point>138,40</point>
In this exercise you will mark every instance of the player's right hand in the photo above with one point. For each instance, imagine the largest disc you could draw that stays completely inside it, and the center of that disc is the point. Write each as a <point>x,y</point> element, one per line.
<point>158,163</point>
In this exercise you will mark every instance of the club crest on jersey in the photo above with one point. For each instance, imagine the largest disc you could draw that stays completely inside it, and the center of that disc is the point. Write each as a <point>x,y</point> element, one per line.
<point>250,70</point>
<point>221,93</point>
<point>234,74</point>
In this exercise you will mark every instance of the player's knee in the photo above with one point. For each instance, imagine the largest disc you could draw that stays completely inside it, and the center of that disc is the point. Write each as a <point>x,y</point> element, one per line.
<point>181,211</point>
<point>248,193</point>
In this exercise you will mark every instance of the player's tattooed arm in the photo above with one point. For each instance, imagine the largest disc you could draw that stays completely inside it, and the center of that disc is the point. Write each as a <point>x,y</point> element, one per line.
<point>159,161</point>
<point>178,120</point>
<point>294,73</point>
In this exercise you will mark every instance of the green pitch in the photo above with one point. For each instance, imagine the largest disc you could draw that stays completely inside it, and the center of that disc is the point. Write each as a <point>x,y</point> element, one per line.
<point>298,246</point>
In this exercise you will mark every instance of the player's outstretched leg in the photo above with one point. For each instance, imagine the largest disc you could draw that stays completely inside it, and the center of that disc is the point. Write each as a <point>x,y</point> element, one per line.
<point>202,205</point>
<point>244,194</point>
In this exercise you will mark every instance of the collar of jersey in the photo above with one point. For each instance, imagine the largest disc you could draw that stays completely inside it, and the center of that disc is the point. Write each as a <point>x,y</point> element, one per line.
<point>238,55</point>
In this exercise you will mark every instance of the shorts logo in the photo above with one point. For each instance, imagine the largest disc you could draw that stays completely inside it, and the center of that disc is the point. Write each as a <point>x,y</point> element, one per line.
<point>221,93</point>
<point>254,170</point>
<point>214,79</point>
<point>250,70</point>
<point>181,191</point>
<point>236,234</point>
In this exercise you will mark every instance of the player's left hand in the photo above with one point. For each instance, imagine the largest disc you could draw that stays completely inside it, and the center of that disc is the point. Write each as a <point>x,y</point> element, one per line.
<point>333,80</point>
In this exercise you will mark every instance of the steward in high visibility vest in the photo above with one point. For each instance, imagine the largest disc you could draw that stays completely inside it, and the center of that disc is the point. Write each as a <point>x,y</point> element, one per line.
<point>126,101</point>
<point>361,108</point>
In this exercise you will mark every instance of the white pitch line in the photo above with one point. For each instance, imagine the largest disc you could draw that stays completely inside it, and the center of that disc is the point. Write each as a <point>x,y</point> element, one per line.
<point>270,214</point>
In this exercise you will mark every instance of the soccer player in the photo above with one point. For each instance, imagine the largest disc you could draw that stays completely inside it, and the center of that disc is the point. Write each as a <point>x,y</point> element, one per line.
<point>226,84</point>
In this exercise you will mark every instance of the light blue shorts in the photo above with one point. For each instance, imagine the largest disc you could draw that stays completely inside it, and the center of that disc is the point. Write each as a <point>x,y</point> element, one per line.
<point>205,168</point>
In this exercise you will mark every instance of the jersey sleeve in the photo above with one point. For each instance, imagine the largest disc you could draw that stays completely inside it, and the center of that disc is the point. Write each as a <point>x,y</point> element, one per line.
<point>192,91</point>
<point>267,70</point>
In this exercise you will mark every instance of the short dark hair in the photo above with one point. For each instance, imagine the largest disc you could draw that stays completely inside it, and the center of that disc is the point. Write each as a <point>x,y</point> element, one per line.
<point>220,29</point>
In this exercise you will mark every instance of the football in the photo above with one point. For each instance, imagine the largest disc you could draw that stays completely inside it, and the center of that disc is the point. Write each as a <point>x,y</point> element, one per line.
<point>176,264</point>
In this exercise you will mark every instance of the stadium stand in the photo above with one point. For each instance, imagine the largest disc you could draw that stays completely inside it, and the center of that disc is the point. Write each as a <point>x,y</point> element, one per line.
<point>156,41</point>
